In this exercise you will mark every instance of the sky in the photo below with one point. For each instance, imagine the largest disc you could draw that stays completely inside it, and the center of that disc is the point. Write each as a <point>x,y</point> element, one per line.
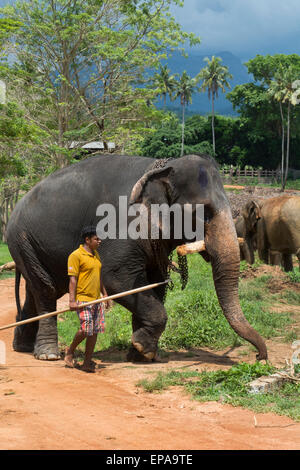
<point>243,27</point>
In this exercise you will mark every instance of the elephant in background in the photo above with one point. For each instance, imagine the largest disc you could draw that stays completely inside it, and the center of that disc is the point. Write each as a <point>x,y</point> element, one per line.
<point>249,246</point>
<point>274,224</point>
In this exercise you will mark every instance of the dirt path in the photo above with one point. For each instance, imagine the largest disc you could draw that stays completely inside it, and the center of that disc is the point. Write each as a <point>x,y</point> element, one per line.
<point>43,405</point>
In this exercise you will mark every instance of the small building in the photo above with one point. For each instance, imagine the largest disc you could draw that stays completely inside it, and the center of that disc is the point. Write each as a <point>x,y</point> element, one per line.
<point>92,147</point>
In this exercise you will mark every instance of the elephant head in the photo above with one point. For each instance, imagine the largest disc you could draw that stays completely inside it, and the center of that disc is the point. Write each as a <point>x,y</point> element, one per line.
<point>195,179</point>
<point>251,213</point>
<point>249,224</point>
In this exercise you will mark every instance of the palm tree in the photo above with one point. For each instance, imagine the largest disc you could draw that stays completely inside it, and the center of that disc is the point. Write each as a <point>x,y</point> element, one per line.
<point>215,76</point>
<point>282,90</point>
<point>186,86</point>
<point>165,83</point>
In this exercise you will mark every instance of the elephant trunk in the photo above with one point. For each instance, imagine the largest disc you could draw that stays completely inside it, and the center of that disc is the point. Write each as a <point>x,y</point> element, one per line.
<point>222,245</point>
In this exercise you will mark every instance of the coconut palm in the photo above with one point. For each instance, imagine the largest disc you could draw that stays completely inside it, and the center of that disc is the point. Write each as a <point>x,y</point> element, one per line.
<point>215,76</point>
<point>282,90</point>
<point>186,86</point>
<point>164,83</point>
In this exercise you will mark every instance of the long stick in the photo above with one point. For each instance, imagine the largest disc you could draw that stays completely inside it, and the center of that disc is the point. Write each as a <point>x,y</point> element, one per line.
<point>97,301</point>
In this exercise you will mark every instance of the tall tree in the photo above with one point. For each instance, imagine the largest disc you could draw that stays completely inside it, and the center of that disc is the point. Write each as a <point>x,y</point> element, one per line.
<point>266,118</point>
<point>282,90</point>
<point>165,83</point>
<point>215,77</point>
<point>185,88</point>
<point>84,64</point>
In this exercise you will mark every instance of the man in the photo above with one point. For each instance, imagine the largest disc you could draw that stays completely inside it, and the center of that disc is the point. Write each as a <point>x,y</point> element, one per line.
<point>85,285</point>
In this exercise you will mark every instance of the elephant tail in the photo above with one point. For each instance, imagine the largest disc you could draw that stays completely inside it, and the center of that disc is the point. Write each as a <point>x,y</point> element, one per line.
<point>17,293</point>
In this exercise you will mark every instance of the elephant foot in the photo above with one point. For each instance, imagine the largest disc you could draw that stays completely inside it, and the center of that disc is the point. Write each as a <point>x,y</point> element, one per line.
<point>138,353</point>
<point>47,352</point>
<point>134,355</point>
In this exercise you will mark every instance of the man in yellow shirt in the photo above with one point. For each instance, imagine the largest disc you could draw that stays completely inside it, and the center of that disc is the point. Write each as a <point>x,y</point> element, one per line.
<point>85,285</point>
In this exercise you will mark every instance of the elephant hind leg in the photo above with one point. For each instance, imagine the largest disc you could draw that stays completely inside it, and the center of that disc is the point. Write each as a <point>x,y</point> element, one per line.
<point>25,335</point>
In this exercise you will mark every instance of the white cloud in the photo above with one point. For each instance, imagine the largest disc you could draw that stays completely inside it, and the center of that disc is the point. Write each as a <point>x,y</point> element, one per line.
<point>243,26</point>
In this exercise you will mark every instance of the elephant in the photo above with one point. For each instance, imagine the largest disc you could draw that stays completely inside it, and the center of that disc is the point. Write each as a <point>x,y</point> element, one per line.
<point>45,227</point>
<point>249,245</point>
<point>275,224</point>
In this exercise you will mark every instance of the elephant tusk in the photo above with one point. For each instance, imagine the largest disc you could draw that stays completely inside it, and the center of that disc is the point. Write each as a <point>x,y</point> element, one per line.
<point>196,247</point>
<point>189,248</point>
<point>7,266</point>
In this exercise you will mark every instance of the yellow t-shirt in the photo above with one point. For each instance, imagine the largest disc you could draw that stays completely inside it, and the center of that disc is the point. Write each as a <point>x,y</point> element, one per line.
<point>87,268</point>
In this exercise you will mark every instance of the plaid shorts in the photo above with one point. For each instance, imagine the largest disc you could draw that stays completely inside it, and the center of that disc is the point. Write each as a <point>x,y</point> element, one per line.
<point>92,320</point>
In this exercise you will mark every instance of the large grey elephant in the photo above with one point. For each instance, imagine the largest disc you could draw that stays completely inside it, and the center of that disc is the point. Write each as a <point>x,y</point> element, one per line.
<point>274,224</point>
<point>46,224</point>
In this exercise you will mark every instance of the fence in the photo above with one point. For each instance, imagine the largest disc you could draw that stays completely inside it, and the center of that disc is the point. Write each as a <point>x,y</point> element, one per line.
<point>250,175</point>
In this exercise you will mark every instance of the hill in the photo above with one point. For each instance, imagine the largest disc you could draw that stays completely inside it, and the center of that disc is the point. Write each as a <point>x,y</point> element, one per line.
<point>193,64</point>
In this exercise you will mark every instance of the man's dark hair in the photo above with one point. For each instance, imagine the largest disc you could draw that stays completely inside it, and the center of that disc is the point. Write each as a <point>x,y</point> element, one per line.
<point>88,231</point>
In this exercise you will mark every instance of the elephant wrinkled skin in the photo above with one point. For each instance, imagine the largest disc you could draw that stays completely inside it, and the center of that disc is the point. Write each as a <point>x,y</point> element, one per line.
<point>45,228</point>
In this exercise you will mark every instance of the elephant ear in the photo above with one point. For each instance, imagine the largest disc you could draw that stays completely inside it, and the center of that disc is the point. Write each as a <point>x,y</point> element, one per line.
<point>251,214</point>
<point>161,174</point>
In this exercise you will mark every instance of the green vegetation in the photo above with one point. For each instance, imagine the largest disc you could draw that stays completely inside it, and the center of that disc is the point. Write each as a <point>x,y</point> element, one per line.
<point>4,254</point>
<point>294,275</point>
<point>5,258</point>
<point>230,386</point>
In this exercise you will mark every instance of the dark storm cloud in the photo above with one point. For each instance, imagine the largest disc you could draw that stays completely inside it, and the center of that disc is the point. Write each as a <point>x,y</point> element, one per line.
<point>245,27</point>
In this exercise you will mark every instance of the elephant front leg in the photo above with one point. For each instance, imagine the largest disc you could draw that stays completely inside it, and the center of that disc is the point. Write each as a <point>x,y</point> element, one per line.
<point>148,323</point>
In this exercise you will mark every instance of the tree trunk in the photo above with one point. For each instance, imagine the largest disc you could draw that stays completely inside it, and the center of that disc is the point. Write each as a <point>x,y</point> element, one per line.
<point>182,134</point>
<point>287,146</point>
<point>213,122</point>
<point>282,146</point>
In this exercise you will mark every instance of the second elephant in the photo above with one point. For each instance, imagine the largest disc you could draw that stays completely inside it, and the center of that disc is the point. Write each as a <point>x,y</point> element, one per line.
<point>276,227</point>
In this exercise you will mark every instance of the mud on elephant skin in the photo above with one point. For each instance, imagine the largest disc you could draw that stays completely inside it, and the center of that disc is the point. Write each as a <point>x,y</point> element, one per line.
<point>46,224</point>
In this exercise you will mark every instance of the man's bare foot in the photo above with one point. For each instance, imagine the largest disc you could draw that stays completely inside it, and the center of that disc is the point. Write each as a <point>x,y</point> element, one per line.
<point>69,361</point>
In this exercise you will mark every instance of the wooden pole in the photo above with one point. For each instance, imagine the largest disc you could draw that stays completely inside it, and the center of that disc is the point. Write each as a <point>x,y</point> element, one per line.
<point>93,302</point>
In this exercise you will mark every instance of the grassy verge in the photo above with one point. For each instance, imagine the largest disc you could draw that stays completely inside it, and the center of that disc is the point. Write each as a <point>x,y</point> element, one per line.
<point>5,257</point>
<point>230,387</point>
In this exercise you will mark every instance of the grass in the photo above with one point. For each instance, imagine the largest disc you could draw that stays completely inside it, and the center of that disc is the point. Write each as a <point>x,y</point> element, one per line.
<point>231,387</point>
<point>5,257</point>
<point>294,275</point>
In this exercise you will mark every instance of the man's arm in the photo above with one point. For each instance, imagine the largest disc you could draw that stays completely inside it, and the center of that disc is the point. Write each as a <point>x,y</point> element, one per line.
<point>72,293</point>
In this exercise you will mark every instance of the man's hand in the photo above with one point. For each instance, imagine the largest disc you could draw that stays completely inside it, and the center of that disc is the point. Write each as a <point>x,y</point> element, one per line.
<point>73,305</point>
